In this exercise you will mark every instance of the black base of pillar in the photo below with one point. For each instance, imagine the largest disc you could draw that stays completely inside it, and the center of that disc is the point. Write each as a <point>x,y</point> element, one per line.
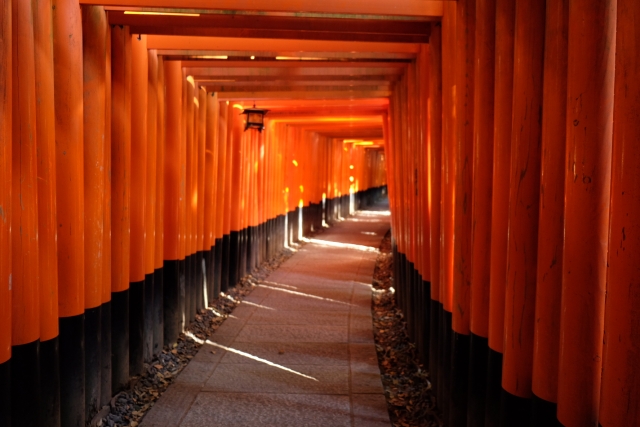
<point>217,268</point>
<point>243,240</point>
<point>158,310</point>
<point>207,271</point>
<point>25,387</point>
<point>92,356</point>
<point>119,341</point>
<point>190,289</point>
<point>514,410</point>
<point>234,258</point>
<point>444,375</point>
<point>478,353</point>
<point>170,301</point>
<point>199,282</point>
<point>105,359</point>
<point>425,314</point>
<point>494,389</point>
<point>72,368</point>
<point>544,413</point>
<point>5,394</point>
<point>434,334</point>
<point>225,269</point>
<point>459,380</point>
<point>147,345</point>
<point>136,328</point>
<point>182,295</point>
<point>49,383</point>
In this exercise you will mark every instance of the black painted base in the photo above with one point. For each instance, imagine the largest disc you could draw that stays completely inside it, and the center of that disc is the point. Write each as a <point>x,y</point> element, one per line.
<point>199,282</point>
<point>182,294</point>
<point>426,322</point>
<point>49,383</point>
<point>217,268</point>
<point>234,258</point>
<point>434,333</point>
<point>190,287</point>
<point>514,410</point>
<point>25,373</point>
<point>119,340</point>
<point>136,328</point>
<point>444,377</point>
<point>544,413</point>
<point>243,241</point>
<point>5,394</point>
<point>170,301</point>
<point>494,389</point>
<point>225,267</point>
<point>105,359</point>
<point>147,345</point>
<point>72,368</point>
<point>478,353</point>
<point>92,356</point>
<point>459,380</point>
<point>158,310</point>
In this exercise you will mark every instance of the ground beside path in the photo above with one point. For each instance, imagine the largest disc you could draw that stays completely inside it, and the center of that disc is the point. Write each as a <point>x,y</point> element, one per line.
<point>299,350</point>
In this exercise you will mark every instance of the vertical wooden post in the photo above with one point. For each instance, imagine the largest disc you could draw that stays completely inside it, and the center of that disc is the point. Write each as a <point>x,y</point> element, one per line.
<point>591,59</point>
<point>137,303</point>
<point>212,186</point>
<point>105,376</point>
<point>6,119</point>
<point>67,55</point>
<point>226,202</point>
<point>25,368</point>
<point>47,226</point>
<point>551,229</point>
<point>172,181</point>
<point>202,252</point>
<point>524,197</point>
<point>222,234</point>
<point>94,24</point>
<point>150,285</point>
<point>481,207</point>
<point>158,276</point>
<point>620,380</point>
<point>120,203</point>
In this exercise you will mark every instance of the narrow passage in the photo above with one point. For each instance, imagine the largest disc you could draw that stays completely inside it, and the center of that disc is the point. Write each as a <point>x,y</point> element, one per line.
<point>299,350</point>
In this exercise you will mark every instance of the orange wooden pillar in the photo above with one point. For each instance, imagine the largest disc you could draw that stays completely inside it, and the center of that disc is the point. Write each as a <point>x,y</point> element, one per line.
<point>153,289</point>
<point>67,54</point>
<point>620,390</point>
<point>120,203</point>
<point>106,377</point>
<point>151,326</point>
<point>551,223</point>
<point>234,139</point>
<point>503,103</point>
<point>6,118</point>
<point>524,196</point>
<point>173,186</point>
<point>202,253</point>
<point>589,124</point>
<point>182,219</point>
<point>47,226</point>
<point>220,207</point>
<point>226,153</point>
<point>448,197</point>
<point>137,303</point>
<point>94,24</point>
<point>191,208</point>
<point>481,207</point>
<point>464,110</point>
<point>25,367</point>
<point>208,243</point>
<point>158,276</point>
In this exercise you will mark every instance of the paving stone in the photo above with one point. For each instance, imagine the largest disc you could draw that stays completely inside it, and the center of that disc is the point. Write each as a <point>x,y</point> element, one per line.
<point>327,318</point>
<point>264,378</point>
<point>370,410</point>
<point>289,354</point>
<point>171,407</point>
<point>268,410</point>
<point>292,333</point>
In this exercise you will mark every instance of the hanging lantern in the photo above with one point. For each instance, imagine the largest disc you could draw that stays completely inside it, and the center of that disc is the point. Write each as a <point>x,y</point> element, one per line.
<point>255,118</point>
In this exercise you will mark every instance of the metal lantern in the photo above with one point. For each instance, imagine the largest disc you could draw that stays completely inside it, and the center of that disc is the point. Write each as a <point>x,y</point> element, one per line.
<point>255,118</point>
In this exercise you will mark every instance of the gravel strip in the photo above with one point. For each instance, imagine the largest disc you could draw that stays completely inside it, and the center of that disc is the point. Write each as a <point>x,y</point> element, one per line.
<point>406,382</point>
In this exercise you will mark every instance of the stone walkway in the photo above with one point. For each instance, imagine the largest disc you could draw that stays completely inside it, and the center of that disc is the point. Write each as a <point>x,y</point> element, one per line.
<point>299,350</point>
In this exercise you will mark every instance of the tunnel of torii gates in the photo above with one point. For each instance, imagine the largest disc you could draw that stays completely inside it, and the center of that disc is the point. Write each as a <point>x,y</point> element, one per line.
<point>505,132</point>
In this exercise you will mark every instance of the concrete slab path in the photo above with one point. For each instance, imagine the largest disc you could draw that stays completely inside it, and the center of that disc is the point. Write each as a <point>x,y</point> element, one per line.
<point>299,350</point>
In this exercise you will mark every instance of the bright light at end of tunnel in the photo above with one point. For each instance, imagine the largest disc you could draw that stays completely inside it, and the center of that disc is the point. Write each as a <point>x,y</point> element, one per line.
<point>253,57</point>
<point>302,189</point>
<point>295,163</point>
<point>350,166</point>
<point>136,12</point>
<point>351,178</point>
